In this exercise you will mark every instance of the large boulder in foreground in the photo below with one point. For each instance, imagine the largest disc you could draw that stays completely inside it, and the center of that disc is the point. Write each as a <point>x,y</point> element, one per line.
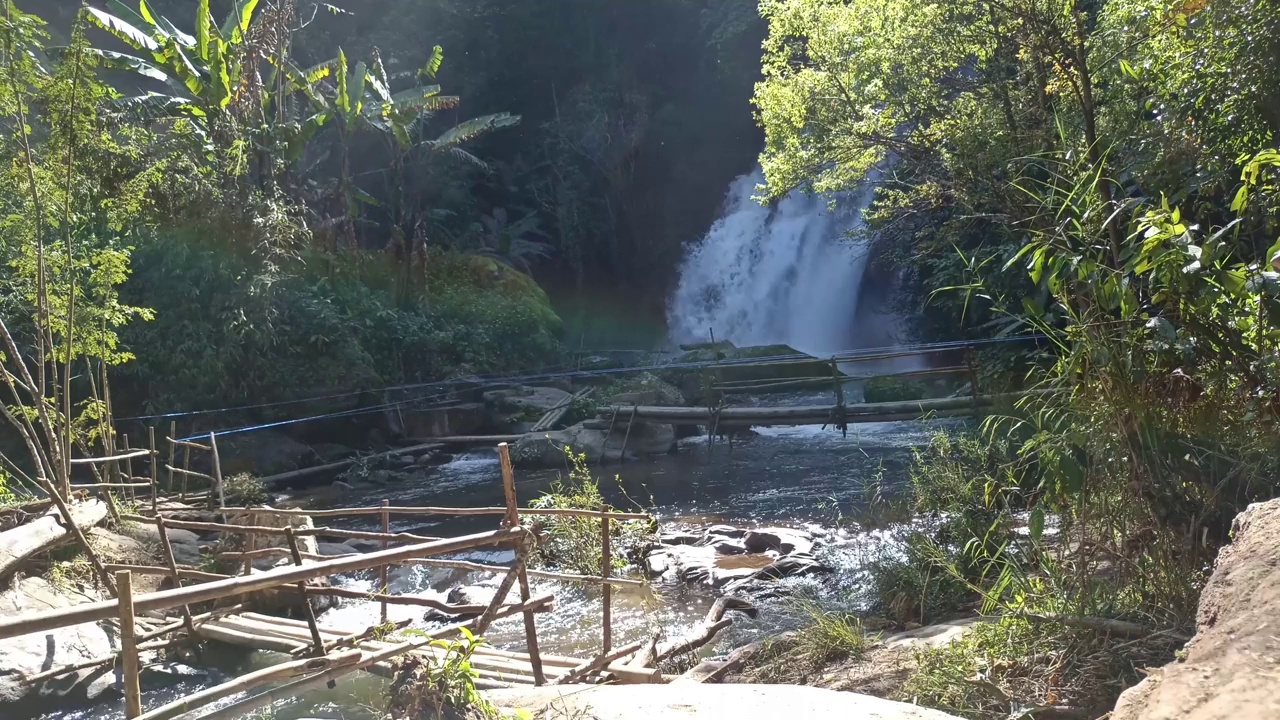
<point>595,440</point>
<point>1231,668</point>
<point>694,701</point>
<point>34,653</point>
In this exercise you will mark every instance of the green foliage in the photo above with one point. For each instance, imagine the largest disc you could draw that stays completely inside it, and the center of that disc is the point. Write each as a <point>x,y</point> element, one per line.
<point>572,542</point>
<point>425,686</point>
<point>244,490</point>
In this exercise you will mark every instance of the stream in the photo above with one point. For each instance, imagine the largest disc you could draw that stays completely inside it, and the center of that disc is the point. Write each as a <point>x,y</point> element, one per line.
<point>803,477</point>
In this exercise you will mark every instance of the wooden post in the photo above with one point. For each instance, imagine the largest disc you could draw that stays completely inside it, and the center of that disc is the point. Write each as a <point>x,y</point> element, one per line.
<point>622,454</point>
<point>186,465</point>
<point>840,416</point>
<point>383,570</point>
<point>217,473</point>
<point>169,558</point>
<point>155,470</point>
<point>309,611</point>
<point>128,466</point>
<point>522,571</point>
<point>128,646</point>
<point>606,566</point>
<point>173,433</point>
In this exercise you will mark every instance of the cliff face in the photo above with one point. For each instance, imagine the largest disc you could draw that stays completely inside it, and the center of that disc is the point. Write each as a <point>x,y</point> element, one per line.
<point>1231,668</point>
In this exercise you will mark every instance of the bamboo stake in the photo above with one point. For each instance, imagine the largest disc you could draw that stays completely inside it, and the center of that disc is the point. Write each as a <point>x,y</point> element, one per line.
<point>307,609</point>
<point>522,574</point>
<point>606,563</point>
<point>186,465</point>
<point>368,633</point>
<point>499,597</point>
<point>252,680</point>
<point>128,646</point>
<point>173,431</point>
<point>169,558</point>
<point>383,571</point>
<point>217,471</point>
<point>153,459</point>
<point>622,454</point>
<point>128,466</point>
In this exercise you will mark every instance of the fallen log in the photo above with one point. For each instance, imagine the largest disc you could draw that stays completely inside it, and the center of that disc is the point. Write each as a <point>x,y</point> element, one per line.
<point>706,631</point>
<point>46,531</point>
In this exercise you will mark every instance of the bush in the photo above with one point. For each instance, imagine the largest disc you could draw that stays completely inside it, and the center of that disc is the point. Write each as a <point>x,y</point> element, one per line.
<point>573,543</point>
<point>244,490</point>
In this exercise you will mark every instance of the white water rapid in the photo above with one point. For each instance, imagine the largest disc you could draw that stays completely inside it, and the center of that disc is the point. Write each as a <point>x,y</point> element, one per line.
<point>786,273</point>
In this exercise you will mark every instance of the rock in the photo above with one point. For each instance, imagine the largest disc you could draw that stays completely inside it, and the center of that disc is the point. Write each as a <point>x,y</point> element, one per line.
<point>36,652</point>
<point>329,549</point>
<point>338,490</point>
<point>472,595</point>
<point>364,546</point>
<point>536,399</point>
<point>678,537</point>
<point>460,419</point>
<point>783,540</point>
<point>728,531</point>
<point>262,453</point>
<point>331,452</point>
<point>647,389</point>
<point>697,701</point>
<point>725,546</point>
<point>1229,668</point>
<point>789,566</point>
<point>657,563</point>
<point>542,450</point>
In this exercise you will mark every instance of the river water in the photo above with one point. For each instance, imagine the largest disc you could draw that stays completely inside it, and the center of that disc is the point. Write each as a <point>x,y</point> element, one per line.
<point>798,476</point>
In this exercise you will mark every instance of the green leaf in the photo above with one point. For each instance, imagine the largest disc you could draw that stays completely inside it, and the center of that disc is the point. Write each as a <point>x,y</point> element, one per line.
<point>472,128</point>
<point>204,23</point>
<point>130,35</point>
<point>111,60</point>
<point>1127,69</point>
<point>1036,523</point>
<point>341,97</point>
<point>162,25</point>
<point>238,21</point>
<point>1241,199</point>
<point>432,66</point>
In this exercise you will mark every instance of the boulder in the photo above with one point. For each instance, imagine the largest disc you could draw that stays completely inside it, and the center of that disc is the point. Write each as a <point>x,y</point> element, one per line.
<point>37,652</point>
<point>543,450</point>
<point>472,595</point>
<point>697,701</point>
<point>728,531</point>
<point>657,563</point>
<point>781,540</point>
<point>1230,668</point>
<point>678,537</point>
<point>534,399</point>
<point>646,389</point>
<point>329,549</point>
<point>460,419</point>
<point>262,453</point>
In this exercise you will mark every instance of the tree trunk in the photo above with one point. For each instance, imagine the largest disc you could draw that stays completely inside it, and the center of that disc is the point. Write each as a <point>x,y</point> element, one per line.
<point>46,531</point>
<point>1089,109</point>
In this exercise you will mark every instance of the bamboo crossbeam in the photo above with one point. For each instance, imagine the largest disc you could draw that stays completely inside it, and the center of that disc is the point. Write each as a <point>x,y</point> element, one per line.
<point>190,473</point>
<point>110,486</point>
<point>415,600</point>
<point>280,532</point>
<point>234,586</point>
<point>250,681</point>
<point>103,660</point>
<point>277,552</point>
<point>112,458</point>
<point>188,443</point>
<point>568,577</point>
<point>597,663</point>
<point>185,572</point>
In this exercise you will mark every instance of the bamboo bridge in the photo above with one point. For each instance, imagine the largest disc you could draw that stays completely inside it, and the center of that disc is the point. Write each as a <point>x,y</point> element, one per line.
<point>209,606</point>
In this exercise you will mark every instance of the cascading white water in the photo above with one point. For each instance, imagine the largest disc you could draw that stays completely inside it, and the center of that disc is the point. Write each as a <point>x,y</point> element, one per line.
<point>786,273</point>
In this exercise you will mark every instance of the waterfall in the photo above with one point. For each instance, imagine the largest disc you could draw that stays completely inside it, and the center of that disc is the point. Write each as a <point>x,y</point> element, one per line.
<point>785,273</point>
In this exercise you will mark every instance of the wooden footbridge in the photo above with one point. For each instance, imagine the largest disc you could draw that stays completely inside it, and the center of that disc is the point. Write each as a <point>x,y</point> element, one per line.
<point>204,605</point>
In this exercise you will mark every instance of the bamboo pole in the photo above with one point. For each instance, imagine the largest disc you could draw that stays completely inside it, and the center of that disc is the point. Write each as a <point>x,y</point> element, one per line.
<point>308,611</point>
<point>128,465</point>
<point>606,564</point>
<point>522,574</point>
<point>217,471</point>
<point>596,663</point>
<point>186,465</point>
<point>235,586</point>
<point>384,571</point>
<point>173,431</point>
<point>194,474</point>
<point>394,510</point>
<point>109,459</point>
<point>186,572</point>
<point>169,558</point>
<point>252,680</point>
<point>499,597</point>
<point>185,443</point>
<point>567,577</point>
<point>152,460</point>
<point>128,645</point>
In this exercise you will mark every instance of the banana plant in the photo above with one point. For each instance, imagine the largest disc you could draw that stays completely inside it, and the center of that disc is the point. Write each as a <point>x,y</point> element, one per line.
<point>202,70</point>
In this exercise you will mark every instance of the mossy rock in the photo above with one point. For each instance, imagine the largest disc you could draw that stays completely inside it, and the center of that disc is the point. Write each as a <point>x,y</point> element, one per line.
<point>694,381</point>
<point>458,272</point>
